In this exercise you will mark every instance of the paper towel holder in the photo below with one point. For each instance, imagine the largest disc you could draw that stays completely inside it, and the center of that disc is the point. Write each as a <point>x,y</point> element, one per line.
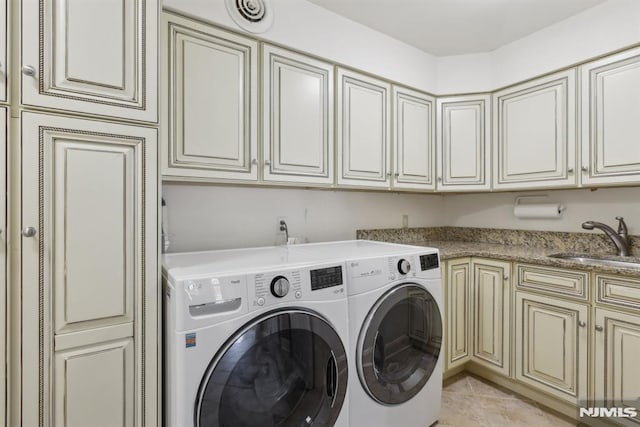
<point>537,207</point>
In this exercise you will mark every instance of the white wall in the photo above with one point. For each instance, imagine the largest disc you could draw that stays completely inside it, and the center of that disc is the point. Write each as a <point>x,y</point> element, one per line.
<point>496,210</point>
<point>594,32</point>
<point>210,217</point>
<point>310,28</point>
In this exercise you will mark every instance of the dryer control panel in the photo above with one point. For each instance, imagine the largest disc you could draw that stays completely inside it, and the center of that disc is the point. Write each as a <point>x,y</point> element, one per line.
<point>316,283</point>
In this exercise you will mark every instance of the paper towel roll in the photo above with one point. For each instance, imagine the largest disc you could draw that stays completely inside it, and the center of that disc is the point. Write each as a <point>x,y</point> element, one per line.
<point>538,211</point>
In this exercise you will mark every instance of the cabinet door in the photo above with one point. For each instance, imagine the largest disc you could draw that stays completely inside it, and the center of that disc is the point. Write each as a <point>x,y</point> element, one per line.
<point>534,133</point>
<point>551,345</point>
<point>97,57</point>
<point>414,131</point>
<point>363,130</point>
<point>491,314</point>
<point>617,372</point>
<point>458,308</point>
<point>3,264</point>
<point>210,103</point>
<point>464,135</point>
<point>297,117</point>
<point>89,272</point>
<point>4,45</point>
<point>611,119</point>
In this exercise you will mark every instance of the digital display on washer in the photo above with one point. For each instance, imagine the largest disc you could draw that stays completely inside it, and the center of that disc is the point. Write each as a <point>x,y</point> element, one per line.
<point>428,262</point>
<point>326,277</point>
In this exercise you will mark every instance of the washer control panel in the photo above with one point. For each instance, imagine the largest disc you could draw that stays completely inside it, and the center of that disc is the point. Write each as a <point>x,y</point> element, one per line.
<point>316,283</point>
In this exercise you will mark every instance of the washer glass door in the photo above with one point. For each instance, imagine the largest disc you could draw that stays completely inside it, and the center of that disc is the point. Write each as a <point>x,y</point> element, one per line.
<point>287,368</point>
<point>399,344</point>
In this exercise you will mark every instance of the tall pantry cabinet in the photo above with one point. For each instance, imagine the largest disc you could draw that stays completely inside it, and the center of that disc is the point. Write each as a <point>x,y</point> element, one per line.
<point>86,130</point>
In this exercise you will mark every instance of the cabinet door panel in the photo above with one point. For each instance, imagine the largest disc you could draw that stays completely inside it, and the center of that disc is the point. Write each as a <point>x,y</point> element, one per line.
<point>617,371</point>
<point>414,139</point>
<point>117,79</point>
<point>464,130</point>
<point>610,125</point>
<point>94,385</point>
<point>491,314</point>
<point>363,130</point>
<point>211,102</point>
<point>551,348</point>
<point>94,182</point>
<point>4,49</point>
<point>297,117</point>
<point>89,273</point>
<point>458,305</point>
<point>535,133</point>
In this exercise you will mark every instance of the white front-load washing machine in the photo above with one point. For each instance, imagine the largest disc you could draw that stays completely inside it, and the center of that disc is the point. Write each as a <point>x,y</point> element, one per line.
<point>255,339</point>
<point>395,332</point>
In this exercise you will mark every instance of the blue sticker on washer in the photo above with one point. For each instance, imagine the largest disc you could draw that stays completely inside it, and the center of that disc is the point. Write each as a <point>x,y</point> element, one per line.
<point>190,340</point>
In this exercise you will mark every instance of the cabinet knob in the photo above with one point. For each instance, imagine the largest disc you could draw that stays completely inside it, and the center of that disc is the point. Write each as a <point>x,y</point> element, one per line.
<point>439,179</point>
<point>254,161</point>
<point>599,328</point>
<point>396,174</point>
<point>581,323</point>
<point>388,174</point>
<point>28,70</point>
<point>584,169</point>
<point>29,231</point>
<point>267,162</point>
<point>570,170</point>
<point>505,277</point>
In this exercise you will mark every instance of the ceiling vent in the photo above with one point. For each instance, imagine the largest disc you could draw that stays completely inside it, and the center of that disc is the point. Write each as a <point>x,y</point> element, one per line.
<point>255,16</point>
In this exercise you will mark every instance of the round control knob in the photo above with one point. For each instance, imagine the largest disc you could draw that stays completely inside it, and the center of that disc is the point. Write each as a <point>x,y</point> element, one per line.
<point>260,301</point>
<point>404,266</point>
<point>279,286</point>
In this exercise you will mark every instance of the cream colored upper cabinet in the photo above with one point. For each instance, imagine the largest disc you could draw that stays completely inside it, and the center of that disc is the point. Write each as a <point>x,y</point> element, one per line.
<point>89,273</point>
<point>458,312</point>
<point>534,133</point>
<point>617,345</point>
<point>414,139</point>
<point>297,117</point>
<point>491,314</point>
<point>364,134</point>
<point>210,102</point>
<point>464,138</point>
<point>4,50</point>
<point>96,57</point>
<point>611,119</point>
<point>551,345</point>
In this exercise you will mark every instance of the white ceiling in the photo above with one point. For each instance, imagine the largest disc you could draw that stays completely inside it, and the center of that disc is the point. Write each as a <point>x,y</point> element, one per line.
<point>454,27</point>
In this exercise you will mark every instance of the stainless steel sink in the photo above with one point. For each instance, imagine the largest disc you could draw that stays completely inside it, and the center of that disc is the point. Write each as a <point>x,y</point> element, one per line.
<point>599,259</point>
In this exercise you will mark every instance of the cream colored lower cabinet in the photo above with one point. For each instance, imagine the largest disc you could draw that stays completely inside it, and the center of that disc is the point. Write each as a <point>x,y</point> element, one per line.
<point>90,297</point>
<point>457,311</point>
<point>491,293</point>
<point>551,345</point>
<point>617,370</point>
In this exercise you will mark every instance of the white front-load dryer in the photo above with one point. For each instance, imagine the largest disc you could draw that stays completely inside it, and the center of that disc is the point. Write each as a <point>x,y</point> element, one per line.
<point>255,347</point>
<point>395,332</point>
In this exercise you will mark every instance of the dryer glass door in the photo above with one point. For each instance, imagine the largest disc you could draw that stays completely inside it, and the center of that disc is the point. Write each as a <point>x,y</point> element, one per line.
<point>399,344</point>
<point>287,368</point>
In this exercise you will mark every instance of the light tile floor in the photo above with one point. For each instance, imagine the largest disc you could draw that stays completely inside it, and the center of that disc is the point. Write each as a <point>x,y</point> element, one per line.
<point>468,401</point>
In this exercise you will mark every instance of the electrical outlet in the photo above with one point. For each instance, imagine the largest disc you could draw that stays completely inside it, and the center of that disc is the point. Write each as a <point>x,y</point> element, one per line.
<point>278,219</point>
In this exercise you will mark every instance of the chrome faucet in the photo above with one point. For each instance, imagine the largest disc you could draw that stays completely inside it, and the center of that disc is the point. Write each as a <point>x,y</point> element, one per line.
<point>620,239</point>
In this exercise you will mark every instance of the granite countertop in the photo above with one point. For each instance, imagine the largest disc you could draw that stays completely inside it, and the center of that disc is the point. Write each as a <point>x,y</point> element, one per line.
<point>527,246</point>
<point>525,254</point>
